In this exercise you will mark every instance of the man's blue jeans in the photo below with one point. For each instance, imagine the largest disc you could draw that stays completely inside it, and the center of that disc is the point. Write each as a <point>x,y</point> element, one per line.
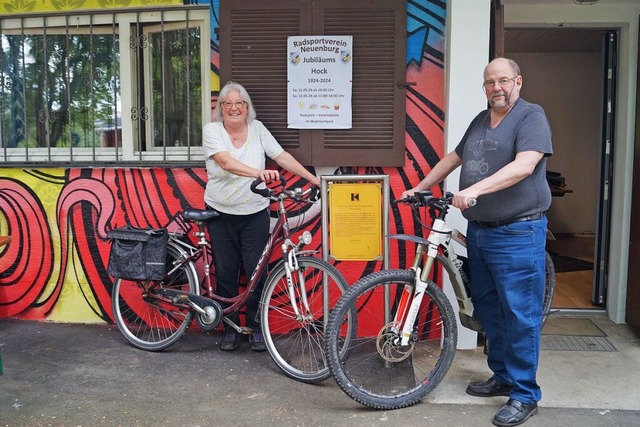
<point>507,268</point>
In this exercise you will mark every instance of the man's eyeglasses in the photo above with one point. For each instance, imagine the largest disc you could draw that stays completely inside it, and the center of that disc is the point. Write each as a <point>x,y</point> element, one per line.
<point>239,105</point>
<point>503,82</point>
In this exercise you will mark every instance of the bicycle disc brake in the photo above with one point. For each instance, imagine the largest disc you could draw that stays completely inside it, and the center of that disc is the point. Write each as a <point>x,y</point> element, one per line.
<point>388,345</point>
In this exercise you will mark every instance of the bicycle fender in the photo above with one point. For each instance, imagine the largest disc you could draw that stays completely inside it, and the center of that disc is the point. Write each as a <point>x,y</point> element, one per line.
<point>410,238</point>
<point>280,264</point>
<point>307,252</point>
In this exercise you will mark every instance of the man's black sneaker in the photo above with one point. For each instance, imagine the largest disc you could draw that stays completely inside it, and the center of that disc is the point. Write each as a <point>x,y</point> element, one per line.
<point>489,388</point>
<point>230,341</point>
<point>514,413</point>
<point>257,341</point>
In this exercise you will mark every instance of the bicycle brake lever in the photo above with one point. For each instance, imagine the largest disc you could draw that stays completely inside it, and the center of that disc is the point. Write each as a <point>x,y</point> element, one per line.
<point>315,194</point>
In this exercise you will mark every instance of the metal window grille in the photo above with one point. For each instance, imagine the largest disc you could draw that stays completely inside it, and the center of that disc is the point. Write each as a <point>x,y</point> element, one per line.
<point>104,86</point>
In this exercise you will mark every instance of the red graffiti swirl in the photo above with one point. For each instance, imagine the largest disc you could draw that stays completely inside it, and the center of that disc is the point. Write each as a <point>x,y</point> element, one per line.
<point>26,263</point>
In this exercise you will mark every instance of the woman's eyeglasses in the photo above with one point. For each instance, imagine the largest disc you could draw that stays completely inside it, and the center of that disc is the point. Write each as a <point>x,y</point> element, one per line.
<point>239,105</point>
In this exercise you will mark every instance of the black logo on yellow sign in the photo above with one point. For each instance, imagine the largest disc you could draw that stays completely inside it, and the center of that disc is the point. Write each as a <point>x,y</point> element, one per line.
<point>355,197</point>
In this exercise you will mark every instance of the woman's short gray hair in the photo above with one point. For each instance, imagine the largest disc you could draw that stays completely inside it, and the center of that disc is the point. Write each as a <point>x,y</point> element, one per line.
<point>224,93</point>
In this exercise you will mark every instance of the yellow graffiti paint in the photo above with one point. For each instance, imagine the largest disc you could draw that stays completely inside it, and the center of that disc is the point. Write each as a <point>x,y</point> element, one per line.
<point>24,6</point>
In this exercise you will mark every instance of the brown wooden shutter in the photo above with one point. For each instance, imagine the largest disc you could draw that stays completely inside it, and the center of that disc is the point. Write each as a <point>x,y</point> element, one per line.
<point>253,43</point>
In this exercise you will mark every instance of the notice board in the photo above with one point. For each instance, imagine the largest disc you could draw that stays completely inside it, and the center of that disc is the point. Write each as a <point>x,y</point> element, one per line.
<point>355,221</point>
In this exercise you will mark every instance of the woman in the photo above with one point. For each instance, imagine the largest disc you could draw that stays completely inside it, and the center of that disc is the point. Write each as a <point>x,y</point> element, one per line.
<point>235,146</point>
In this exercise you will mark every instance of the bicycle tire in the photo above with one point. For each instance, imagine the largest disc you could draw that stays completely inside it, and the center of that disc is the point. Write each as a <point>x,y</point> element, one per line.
<point>404,375</point>
<point>149,323</point>
<point>549,286</point>
<point>296,343</point>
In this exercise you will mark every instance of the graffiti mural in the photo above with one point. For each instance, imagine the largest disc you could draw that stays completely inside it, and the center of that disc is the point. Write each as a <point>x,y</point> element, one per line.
<point>54,267</point>
<point>21,6</point>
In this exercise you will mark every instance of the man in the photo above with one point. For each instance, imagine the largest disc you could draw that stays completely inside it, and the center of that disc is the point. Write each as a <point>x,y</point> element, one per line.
<point>503,156</point>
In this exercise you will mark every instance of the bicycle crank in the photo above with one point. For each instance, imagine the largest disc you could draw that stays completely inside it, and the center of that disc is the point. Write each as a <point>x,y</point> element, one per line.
<point>208,312</point>
<point>388,345</point>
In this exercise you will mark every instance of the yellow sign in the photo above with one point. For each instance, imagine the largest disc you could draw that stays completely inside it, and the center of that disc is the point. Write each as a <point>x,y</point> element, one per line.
<point>355,221</point>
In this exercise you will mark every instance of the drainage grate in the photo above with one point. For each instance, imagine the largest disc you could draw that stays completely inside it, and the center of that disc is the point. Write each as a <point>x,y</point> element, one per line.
<point>576,343</point>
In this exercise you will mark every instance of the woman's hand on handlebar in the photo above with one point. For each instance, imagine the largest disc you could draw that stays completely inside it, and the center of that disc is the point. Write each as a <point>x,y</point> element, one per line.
<point>268,175</point>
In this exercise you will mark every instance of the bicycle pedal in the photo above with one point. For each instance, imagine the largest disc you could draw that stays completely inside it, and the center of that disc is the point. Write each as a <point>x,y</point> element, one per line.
<point>246,330</point>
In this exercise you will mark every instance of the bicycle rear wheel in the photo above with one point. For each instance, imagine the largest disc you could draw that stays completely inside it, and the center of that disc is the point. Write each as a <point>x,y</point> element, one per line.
<point>296,340</point>
<point>549,286</point>
<point>147,321</point>
<point>377,371</point>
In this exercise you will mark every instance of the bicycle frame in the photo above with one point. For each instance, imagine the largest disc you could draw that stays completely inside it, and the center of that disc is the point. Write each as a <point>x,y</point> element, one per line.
<point>437,246</point>
<point>281,234</point>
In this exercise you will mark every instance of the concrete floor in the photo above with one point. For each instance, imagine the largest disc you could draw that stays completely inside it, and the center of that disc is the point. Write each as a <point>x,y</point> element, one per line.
<point>87,375</point>
<point>570,378</point>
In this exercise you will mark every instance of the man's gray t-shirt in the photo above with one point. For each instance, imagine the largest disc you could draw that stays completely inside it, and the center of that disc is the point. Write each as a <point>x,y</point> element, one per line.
<point>484,151</point>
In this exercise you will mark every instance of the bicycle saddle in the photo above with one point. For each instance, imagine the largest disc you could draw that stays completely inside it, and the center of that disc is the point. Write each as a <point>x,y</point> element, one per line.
<point>199,214</point>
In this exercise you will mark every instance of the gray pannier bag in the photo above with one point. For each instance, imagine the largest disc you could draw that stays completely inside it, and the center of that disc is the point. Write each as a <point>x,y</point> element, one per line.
<point>138,253</point>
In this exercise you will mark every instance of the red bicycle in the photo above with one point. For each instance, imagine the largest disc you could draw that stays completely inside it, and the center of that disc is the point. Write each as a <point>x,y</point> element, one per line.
<point>299,291</point>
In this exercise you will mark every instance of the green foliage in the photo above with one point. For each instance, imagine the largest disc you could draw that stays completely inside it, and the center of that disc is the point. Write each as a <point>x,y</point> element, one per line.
<point>69,82</point>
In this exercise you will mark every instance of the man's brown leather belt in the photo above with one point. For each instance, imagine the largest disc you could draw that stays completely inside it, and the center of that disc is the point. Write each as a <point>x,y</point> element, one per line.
<point>531,217</point>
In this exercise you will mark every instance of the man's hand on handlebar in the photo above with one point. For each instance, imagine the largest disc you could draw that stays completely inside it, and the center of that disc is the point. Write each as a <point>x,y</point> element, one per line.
<point>408,193</point>
<point>464,199</point>
<point>461,200</point>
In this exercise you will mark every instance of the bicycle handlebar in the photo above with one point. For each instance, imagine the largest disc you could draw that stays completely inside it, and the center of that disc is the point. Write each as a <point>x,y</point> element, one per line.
<point>438,206</point>
<point>310,195</point>
<point>265,192</point>
<point>426,199</point>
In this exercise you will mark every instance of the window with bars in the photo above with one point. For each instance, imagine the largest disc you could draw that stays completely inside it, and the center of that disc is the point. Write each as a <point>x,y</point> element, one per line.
<point>104,86</point>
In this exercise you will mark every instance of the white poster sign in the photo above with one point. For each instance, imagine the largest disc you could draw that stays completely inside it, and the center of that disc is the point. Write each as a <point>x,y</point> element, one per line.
<point>319,85</point>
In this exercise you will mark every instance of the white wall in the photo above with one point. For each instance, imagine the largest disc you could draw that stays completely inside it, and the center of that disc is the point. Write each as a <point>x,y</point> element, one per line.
<point>467,53</point>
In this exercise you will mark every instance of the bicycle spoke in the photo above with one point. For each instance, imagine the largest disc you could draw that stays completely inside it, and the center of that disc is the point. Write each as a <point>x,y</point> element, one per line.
<point>146,320</point>
<point>378,371</point>
<point>296,342</point>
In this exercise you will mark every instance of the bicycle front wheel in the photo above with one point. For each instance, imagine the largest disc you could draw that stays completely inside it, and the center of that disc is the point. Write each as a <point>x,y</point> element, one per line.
<point>147,321</point>
<point>294,335</point>
<point>377,371</point>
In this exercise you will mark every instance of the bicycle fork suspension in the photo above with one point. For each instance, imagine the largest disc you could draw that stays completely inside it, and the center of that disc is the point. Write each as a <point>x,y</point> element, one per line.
<point>414,294</point>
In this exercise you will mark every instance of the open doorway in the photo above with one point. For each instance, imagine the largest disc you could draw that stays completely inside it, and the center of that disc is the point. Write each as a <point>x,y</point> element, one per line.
<point>564,71</point>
